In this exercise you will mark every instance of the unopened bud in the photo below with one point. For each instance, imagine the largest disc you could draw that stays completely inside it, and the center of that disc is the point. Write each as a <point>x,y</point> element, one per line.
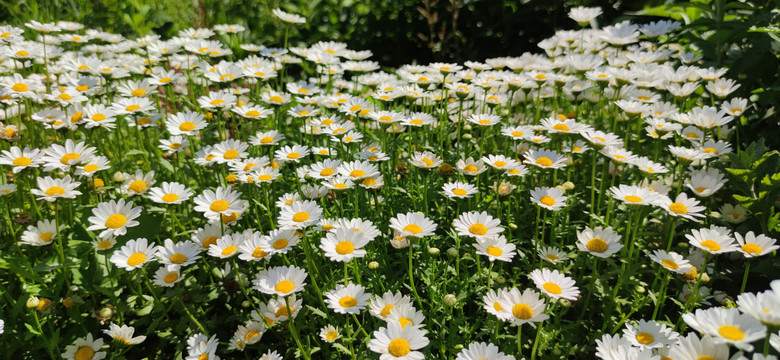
<point>245,304</point>
<point>434,251</point>
<point>466,136</point>
<point>568,185</point>
<point>32,302</point>
<point>106,312</point>
<point>500,280</point>
<point>119,177</point>
<point>561,188</point>
<point>640,289</point>
<point>450,300</point>
<point>373,265</point>
<point>452,252</point>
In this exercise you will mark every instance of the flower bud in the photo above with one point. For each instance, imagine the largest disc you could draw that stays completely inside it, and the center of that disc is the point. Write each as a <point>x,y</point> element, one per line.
<point>452,252</point>
<point>245,304</point>
<point>106,312</point>
<point>450,300</point>
<point>500,280</point>
<point>119,177</point>
<point>466,136</point>
<point>32,302</point>
<point>434,251</point>
<point>564,302</point>
<point>373,265</point>
<point>561,188</point>
<point>568,185</point>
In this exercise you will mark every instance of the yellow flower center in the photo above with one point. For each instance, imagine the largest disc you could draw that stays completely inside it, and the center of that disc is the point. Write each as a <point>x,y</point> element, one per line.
<point>138,92</point>
<point>494,251</point>
<point>345,247</point>
<point>230,154</point>
<point>84,353</point>
<point>413,228</point>
<point>544,161</point>
<point>229,250</point>
<point>301,216</point>
<point>711,245</point>
<point>264,177</point>
<point>284,286</point>
<point>293,155</point>
<point>522,311</point>
<point>251,335</point>
<point>398,347</point>
<point>561,127</point>
<point>116,221</point>
<point>219,206</point>
<point>645,338</point>
<point>752,249</point>
<point>597,245</point>
<point>276,99</point>
<point>710,150</point>
<point>348,302</point>
<point>633,198</point>
<point>670,264</point>
<point>20,87</point>
<point>547,200</point>
<point>678,208</point>
<point>55,190</point>
<point>267,140</point>
<point>46,237</point>
<point>207,242</point>
<point>217,102</point>
<point>459,192</point>
<point>357,173</point>
<point>386,310</point>
<point>137,186</point>
<point>478,229</point>
<point>470,168</point>
<point>259,253</point>
<point>136,259</point>
<point>428,162</point>
<point>187,126</point>
<point>552,288</point>
<point>731,332</point>
<point>280,244</point>
<point>331,335</point>
<point>133,107</point>
<point>171,277</point>
<point>499,163</point>
<point>67,158</point>
<point>165,80</point>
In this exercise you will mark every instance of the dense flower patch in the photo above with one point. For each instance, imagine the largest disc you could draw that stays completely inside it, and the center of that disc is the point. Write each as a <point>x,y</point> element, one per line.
<point>197,198</point>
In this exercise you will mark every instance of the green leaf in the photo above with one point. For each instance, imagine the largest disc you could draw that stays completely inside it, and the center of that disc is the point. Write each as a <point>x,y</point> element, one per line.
<point>32,329</point>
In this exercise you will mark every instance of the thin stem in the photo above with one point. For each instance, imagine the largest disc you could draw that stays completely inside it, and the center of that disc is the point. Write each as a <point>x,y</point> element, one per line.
<point>745,277</point>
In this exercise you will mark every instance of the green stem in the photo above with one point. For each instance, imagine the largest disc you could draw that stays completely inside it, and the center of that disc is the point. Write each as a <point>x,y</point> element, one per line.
<point>745,277</point>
